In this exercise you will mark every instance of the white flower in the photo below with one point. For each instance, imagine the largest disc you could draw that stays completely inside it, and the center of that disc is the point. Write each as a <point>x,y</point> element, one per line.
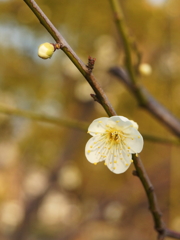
<point>114,141</point>
<point>45,50</point>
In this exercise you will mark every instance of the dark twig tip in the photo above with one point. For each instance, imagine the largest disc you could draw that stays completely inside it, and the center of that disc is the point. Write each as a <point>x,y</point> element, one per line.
<point>135,173</point>
<point>95,98</point>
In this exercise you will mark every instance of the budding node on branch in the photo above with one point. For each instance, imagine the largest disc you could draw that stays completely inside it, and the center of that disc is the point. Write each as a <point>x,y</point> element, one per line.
<point>90,65</point>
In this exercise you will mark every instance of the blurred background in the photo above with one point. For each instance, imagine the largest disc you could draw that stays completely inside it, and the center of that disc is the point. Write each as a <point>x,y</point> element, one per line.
<point>48,190</point>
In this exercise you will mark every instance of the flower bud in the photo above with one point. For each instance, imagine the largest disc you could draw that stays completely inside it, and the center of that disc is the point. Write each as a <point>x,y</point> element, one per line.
<point>145,69</point>
<point>45,50</point>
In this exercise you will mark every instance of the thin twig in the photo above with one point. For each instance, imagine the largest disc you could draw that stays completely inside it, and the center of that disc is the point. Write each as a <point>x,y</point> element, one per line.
<point>80,125</point>
<point>119,20</point>
<point>76,124</point>
<point>73,139</point>
<point>155,139</point>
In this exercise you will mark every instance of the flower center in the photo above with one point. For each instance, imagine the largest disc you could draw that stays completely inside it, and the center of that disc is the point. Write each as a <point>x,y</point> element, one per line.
<point>115,136</point>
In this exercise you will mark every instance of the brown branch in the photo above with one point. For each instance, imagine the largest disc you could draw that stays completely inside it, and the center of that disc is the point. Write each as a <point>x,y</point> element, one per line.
<point>153,205</point>
<point>159,224</point>
<point>72,56</point>
<point>129,79</point>
<point>152,199</point>
<point>172,234</point>
<point>149,103</point>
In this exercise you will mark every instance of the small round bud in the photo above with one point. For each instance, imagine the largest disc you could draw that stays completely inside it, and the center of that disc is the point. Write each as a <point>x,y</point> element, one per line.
<point>145,69</point>
<point>45,50</point>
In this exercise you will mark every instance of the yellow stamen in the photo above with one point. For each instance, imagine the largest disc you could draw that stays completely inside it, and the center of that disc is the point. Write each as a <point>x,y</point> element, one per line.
<point>95,163</point>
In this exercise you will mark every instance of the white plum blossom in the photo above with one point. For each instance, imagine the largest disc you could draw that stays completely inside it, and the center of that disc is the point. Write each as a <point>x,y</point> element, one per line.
<point>114,140</point>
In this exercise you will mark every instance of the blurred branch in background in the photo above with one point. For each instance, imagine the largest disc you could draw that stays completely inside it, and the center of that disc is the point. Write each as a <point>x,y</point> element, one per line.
<point>80,125</point>
<point>71,123</point>
<point>129,79</point>
<point>73,139</point>
<point>146,101</point>
<point>150,104</point>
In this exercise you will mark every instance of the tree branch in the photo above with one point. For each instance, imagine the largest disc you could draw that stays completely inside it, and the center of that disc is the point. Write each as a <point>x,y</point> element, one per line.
<point>105,103</point>
<point>72,56</point>
<point>150,104</point>
<point>129,79</point>
<point>123,32</point>
<point>152,199</point>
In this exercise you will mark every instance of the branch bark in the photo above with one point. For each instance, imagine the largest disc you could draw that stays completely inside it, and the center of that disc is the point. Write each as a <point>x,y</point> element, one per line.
<point>72,56</point>
<point>148,103</point>
<point>153,203</point>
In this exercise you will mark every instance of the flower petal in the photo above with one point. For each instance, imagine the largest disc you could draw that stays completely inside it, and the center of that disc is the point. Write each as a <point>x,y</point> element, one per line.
<point>95,149</point>
<point>121,121</point>
<point>134,141</point>
<point>98,126</point>
<point>119,162</point>
<point>135,125</point>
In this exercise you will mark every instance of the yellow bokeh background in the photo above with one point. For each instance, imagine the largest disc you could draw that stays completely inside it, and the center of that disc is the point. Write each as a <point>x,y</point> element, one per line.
<point>46,163</point>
